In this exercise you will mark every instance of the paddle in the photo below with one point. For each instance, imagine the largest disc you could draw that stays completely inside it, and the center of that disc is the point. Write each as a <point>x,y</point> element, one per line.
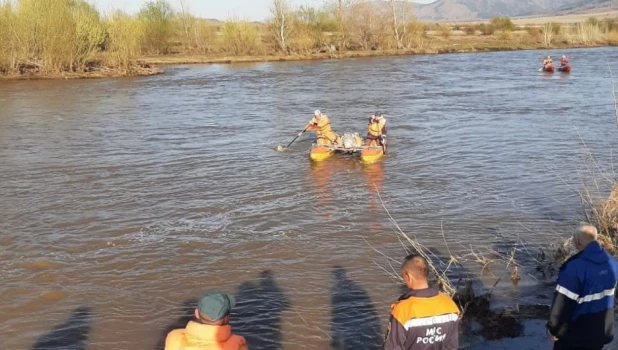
<point>281,148</point>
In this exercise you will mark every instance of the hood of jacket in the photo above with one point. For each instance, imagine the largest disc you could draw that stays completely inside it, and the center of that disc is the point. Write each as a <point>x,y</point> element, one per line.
<point>198,333</point>
<point>595,253</point>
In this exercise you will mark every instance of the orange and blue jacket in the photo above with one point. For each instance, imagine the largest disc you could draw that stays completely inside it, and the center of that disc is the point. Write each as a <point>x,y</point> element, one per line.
<point>423,319</point>
<point>198,336</point>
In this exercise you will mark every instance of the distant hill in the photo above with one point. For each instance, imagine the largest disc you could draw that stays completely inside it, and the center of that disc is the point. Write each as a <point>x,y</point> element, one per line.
<point>465,10</point>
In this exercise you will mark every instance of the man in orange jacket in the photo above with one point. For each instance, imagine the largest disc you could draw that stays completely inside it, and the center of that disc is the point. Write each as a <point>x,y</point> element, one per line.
<point>321,124</point>
<point>211,330</point>
<point>423,318</point>
<point>376,133</point>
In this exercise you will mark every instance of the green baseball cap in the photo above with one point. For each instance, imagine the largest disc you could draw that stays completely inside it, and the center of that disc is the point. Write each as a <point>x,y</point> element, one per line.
<point>216,305</point>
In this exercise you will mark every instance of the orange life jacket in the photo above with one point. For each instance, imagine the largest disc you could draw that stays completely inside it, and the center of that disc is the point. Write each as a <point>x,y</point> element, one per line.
<point>198,336</point>
<point>427,322</point>
<point>376,126</point>
<point>322,125</point>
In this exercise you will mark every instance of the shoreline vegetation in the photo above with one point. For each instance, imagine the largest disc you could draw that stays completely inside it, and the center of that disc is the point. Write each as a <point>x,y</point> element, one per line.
<point>66,39</point>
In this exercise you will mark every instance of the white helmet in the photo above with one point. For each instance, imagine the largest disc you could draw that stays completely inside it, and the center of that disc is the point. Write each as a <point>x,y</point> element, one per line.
<point>563,56</point>
<point>317,113</point>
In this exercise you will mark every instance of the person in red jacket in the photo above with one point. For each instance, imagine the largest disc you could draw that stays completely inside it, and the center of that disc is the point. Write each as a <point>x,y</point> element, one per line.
<point>423,318</point>
<point>564,61</point>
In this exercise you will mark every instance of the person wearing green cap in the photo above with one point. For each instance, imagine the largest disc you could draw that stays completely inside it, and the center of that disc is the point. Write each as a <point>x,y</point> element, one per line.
<point>211,329</point>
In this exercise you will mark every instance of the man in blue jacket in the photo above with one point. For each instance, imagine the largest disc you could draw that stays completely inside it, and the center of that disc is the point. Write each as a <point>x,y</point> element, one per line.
<point>582,313</point>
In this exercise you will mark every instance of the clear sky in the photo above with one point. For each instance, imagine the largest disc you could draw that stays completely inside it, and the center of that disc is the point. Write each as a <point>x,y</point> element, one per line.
<point>219,9</point>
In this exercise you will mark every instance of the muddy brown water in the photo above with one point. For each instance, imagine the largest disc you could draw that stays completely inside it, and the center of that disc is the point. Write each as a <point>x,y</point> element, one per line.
<point>122,199</point>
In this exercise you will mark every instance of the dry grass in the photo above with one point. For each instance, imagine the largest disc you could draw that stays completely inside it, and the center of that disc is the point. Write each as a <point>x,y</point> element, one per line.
<point>475,303</point>
<point>603,214</point>
<point>566,19</point>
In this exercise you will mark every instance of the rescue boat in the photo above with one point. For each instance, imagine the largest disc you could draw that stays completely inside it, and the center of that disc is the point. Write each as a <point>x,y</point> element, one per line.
<point>549,68</point>
<point>351,143</point>
<point>565,69</point>
<point>372,154</point>
<point>320,152</point>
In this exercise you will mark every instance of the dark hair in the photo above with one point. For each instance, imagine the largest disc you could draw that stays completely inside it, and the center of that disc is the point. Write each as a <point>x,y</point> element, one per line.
<point>378,114</point>
<point>417,265</point>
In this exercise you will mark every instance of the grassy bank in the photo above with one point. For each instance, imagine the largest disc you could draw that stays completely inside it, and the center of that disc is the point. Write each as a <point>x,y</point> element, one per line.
<point>451,47</point>
<point>71,39</point>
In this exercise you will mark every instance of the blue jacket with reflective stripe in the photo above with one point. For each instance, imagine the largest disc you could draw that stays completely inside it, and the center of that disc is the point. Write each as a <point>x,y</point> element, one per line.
<point>582,311</point>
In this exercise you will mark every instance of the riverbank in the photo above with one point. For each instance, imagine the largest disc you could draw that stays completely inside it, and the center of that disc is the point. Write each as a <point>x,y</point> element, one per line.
<point>455,48</point>
<point>147,65</point>
<point>139,70</point>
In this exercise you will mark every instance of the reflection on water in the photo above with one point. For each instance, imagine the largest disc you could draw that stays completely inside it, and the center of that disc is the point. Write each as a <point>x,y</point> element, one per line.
<point>135,195</point>
<point>374,176</point>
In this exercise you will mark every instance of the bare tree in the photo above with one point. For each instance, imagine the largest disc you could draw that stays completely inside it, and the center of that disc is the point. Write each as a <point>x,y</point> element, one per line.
<point>367,24</point>
<point>402,15</point>
<point>185,17</point>
<point>548,33</point>
<point>396,24</point>
<point>282,22</point>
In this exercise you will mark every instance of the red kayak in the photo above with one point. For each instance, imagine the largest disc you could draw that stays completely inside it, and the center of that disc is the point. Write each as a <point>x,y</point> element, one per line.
<point>565,69</point>
<point>549,68</point>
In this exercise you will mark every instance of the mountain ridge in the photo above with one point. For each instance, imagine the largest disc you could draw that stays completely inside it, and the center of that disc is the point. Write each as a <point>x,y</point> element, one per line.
<point>466,10</point>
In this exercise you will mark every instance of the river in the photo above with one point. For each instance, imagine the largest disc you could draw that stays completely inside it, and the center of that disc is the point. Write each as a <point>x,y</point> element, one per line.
<point>122,199</point>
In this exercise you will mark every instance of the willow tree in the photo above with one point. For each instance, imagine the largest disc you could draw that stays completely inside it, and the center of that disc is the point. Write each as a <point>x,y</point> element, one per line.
<point>90,33</point>
<point>10,47</point>
<point>314,23</point>
<point>156,18</point>
<point>123,42</point>
<point>47,31</point>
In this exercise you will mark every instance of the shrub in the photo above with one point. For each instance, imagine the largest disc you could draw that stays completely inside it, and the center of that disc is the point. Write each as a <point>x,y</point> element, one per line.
<point>593,21</point>
<point>534,33</point>
<point>156,19</point>
<point>470,30</point>
<point>445,30</point>
<point>241,38</point>
<point>486,29</point>
<point>123,42</point>
<point>504,35</point>
<point>609,25</point>
<point>90,32</point>
<point>503,23</point>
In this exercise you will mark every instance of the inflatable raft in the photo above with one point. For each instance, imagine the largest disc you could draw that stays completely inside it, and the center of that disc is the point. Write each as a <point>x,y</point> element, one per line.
<point>372,154</point>
<point>549,68</point>
<point>319,153</point>
<point>350,144</point>
<point>565,69</point>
